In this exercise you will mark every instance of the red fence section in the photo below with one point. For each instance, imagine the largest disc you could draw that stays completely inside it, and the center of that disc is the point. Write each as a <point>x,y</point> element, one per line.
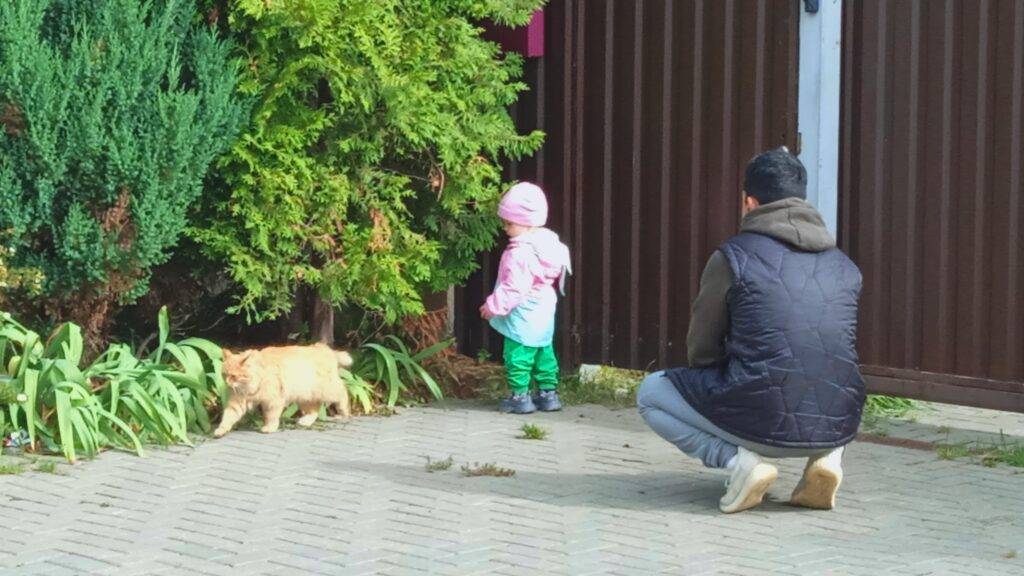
<point>652,108</point>
<point>932,195</point>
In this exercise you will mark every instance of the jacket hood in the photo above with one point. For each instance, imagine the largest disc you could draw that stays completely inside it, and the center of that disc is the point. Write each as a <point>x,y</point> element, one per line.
<point>793,221</point>
<point>552,254</point>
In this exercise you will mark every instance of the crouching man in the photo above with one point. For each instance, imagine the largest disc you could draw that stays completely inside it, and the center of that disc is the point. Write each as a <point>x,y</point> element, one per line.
<point>773,365</point>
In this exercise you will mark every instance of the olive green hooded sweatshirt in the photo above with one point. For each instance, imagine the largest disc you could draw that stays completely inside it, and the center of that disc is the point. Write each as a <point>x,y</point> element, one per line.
<point>793,221</point>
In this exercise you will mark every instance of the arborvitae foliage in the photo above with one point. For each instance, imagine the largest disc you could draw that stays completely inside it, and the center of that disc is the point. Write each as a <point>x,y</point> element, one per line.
<point>111,113</point>
<point>370,170</point>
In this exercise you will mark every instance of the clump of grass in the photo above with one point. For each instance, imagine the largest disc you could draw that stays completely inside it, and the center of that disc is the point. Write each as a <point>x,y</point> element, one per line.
<point>888,406</point>
<point>612,387</point>
<point>46,467</point>
<point>879,408</point>
<point>1011,455</point>
<point>954,451</point>
<point>1010,555</point>
<point>488,469</point>
<point>533,432</point>
<point>6,469</point>
<point>439,465</point>
<point>604,385</point>
<point>989,455</point>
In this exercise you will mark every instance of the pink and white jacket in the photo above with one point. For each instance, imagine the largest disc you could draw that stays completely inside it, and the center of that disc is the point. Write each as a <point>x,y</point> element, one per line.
<point>524,300</point>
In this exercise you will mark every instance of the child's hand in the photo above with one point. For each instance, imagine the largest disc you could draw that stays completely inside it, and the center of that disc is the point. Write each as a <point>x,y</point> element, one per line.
<point>485,313</point>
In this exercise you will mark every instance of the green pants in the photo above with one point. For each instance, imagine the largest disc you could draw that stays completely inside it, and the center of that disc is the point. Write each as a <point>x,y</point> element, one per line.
<point>524,363</point>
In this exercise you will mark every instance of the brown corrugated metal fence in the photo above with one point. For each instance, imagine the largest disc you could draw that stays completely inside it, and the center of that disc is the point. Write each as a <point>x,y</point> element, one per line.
<point>652,108</point>
<point>931,194</point>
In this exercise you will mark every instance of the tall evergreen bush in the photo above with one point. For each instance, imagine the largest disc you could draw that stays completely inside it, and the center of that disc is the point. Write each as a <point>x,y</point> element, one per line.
<point>111,112</point>
<point>370,171</point>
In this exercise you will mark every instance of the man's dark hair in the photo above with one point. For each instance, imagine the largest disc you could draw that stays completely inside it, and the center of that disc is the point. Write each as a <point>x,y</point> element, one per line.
<point>775,175</point>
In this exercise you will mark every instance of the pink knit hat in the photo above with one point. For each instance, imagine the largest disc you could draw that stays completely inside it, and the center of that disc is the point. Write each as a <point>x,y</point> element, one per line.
<point>524,204</point>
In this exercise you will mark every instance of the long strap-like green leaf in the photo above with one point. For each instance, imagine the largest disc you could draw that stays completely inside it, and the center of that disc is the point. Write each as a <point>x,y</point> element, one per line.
<point>67,438</point>
<point>30,386</point>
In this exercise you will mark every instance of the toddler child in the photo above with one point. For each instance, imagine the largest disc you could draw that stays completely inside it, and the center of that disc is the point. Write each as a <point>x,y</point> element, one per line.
<point>522,306</point>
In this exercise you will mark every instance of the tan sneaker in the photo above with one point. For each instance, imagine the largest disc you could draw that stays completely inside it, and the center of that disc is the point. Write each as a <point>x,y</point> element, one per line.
<point>750,479</point>
<point>821,480</point>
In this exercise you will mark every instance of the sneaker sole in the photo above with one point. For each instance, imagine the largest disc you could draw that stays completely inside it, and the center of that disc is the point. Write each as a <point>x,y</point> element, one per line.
<point>754,489</point>
<point>500,411</point>
<point>818,489</point>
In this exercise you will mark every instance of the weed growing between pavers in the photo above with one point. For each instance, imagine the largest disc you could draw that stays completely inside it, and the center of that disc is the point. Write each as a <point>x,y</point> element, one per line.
<point>6,469</point>
<point>46,467</point>
<point>989,455</point>
<point>1013,456</point>
<point>954,451</point>
<point>477,469</point>
<point>488,469</point>
<point>533,432</point>
<point>26,462</point>
<point>439,465</point>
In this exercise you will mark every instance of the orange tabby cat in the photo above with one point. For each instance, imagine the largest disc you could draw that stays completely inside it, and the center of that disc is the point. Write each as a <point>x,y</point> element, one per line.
<point>276,377</point>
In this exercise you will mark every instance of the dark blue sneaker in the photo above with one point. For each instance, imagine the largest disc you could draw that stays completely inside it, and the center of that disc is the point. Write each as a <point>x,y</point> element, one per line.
<point>547,401</point>
<point>517,404</point>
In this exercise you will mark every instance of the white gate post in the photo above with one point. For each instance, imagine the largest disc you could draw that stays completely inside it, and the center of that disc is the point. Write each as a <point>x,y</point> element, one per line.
<point>818,107</point>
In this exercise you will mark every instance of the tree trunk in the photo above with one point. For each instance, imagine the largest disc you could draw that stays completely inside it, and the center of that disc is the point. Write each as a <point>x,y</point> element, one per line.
<point>422,332</point>
<point>321,324</point>
<point>290,326</point>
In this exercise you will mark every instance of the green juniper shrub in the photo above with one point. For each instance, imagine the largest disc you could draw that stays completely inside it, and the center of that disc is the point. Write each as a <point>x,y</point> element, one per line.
<point>371,167</point>
<point>111,112</point>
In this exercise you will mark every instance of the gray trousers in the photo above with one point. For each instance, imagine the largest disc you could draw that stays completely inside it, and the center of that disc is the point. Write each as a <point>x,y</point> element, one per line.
<point>668,414</point>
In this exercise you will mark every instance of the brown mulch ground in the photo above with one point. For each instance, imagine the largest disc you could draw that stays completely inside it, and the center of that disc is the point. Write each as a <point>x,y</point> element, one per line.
<point>464,377</point>
<point>459,376</point>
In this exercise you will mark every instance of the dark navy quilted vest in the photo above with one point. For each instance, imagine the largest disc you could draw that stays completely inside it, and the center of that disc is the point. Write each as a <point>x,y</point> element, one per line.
<point>792,377</point>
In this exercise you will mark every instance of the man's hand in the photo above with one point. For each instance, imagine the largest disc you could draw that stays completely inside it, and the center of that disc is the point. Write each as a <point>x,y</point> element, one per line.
<point>485,313</point>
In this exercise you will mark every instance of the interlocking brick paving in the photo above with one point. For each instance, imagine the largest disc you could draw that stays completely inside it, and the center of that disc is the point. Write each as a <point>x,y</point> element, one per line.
<point>601,495</point>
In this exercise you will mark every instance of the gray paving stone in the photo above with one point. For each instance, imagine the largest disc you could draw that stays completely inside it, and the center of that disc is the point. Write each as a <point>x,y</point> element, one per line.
<point>356,500</point>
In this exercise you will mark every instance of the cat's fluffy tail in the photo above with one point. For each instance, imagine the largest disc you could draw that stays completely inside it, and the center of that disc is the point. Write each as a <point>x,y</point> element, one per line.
<point>344,359</point>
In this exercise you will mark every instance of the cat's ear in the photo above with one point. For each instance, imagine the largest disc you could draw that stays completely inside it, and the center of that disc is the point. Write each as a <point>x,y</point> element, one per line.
<point>245,356</point>
<point>225,353</point>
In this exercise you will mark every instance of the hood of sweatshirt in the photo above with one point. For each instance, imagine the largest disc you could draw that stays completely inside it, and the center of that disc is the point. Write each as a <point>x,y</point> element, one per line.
<point>793,221</point>
<point>552,254</point>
